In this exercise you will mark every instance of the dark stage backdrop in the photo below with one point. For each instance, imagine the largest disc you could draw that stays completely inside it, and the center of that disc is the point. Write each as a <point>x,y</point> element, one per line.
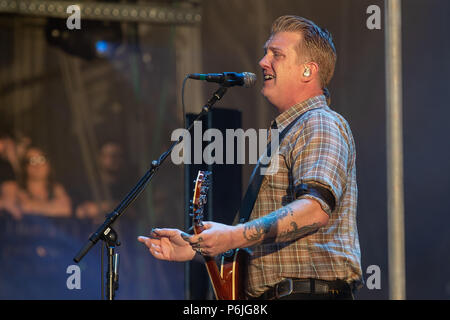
<point>133,100</point>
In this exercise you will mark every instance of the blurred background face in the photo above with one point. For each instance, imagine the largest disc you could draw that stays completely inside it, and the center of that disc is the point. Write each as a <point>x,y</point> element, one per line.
<point>37,165</point>
<point>111,157</point>
<point>22,145</point>
<point>6,144</point>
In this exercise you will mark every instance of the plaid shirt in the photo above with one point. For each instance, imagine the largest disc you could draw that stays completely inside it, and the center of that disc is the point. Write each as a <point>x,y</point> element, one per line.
<point>318,149</point>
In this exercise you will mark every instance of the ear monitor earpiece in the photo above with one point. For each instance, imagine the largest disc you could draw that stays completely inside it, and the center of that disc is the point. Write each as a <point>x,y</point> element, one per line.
<point>307,72</point>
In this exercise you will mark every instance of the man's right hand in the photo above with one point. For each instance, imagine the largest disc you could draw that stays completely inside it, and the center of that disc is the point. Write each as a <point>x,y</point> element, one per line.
<point>167,244</point>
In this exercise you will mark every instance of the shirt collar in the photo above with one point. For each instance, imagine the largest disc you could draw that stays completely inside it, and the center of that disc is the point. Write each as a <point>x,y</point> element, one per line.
<point>283,119</point>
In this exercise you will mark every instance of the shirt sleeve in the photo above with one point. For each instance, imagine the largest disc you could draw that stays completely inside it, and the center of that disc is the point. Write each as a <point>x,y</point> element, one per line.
<point>320,154</point>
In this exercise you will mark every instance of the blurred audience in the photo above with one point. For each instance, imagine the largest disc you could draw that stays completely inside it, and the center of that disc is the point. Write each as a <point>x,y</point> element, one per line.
<point>8,157</point>
<point>11,151</point>
<point>35,191</point>
<point>113,177</point>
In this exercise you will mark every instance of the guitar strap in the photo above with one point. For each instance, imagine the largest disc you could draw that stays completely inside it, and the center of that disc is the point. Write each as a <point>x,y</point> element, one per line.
<point>256,178</point>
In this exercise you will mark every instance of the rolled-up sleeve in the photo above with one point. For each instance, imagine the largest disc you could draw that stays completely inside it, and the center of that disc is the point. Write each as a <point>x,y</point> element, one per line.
<point>320,155</point>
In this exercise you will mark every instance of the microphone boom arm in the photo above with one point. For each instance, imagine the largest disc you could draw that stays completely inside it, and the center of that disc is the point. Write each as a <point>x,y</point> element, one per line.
<point>105,228</point>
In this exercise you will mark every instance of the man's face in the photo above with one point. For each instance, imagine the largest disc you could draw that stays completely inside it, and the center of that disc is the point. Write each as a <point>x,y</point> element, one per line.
<point>282,70</point>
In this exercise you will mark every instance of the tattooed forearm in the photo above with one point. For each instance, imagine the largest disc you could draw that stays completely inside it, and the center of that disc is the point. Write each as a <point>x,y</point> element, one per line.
<point>260,228</point>
<point>297,232</point>
<point>267,229</point>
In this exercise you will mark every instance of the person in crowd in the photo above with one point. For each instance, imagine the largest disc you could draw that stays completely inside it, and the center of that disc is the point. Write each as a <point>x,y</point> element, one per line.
<point>111,166</point>
<point>35,192</point>
<point>8,157</point>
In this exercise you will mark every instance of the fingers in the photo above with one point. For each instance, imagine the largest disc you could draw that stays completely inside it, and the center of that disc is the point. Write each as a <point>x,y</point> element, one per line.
<point>193,240</point>
<point>149,242</point>
<point>159,241</point>
<point>154,248</point>
<point>164,232</point>
<point>201,251</point>
<point>207,225</point>
<point>143,239</point>
<point>197,242</point>
<point>186,237</point>
<point>155,234</point>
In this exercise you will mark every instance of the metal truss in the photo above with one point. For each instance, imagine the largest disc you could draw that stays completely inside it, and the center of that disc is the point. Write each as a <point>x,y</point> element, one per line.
<point>93,10</point>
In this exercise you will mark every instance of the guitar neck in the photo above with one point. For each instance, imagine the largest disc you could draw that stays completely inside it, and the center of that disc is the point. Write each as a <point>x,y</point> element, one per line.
<point>211,267</point>
<point>223,281</point>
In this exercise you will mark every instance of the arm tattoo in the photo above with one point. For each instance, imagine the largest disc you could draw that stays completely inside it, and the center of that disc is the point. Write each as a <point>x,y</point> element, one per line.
<point>297,232</point>
<point>265,228</point>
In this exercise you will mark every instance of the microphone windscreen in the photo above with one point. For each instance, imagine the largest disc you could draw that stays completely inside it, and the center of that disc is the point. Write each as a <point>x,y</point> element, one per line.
<point>249,79</point>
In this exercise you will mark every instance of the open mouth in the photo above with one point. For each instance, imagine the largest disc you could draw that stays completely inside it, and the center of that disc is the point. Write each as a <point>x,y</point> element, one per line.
<point>268,77</point>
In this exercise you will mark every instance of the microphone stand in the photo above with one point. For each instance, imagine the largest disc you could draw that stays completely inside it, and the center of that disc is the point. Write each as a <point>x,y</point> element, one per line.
<point>105,231</point>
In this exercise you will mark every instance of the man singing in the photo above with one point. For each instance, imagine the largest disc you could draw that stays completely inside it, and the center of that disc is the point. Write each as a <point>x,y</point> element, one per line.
<point>302,229</point>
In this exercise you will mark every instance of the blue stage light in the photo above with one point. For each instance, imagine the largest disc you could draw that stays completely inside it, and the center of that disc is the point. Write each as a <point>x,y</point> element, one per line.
<point>101,46</point>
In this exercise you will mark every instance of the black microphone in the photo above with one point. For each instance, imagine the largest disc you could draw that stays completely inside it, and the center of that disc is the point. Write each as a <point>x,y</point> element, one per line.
<point>227,79</point>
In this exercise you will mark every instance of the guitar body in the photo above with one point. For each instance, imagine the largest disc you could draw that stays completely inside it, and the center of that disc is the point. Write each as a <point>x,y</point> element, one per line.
<point>233,271</point>
<point>228,282</point>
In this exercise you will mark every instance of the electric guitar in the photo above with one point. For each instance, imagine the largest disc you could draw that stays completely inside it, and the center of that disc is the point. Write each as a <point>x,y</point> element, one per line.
<point>228,282</point>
